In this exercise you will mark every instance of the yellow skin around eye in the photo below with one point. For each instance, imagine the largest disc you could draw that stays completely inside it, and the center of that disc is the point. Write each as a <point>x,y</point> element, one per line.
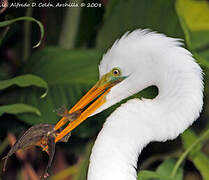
<point>116,72</point>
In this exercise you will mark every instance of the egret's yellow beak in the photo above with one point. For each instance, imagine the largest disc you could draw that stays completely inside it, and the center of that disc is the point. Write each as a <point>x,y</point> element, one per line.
<point>91,101</point>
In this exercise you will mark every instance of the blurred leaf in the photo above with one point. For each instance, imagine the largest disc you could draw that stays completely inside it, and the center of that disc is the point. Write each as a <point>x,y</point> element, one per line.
<point>200,160</point>
<point>61,66</point>
<point>202,58</point>
<point>24,81</point>
<point>188,137</point>
<point>18,108</point>
<point>157,15</point>
<point>195,13</point>
<point>187,152</point>
<point>166,168</point>
<point>83,168</point>
<point>25,18</point>
<point>111,5</point>
<point>3,34</point>
<point>70,171</point>
<point>194,18</point>
<point>146,175</point>
<point>4,144</point>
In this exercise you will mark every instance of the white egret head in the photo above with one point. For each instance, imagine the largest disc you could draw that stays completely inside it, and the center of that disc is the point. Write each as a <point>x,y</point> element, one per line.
<point>138,60</point>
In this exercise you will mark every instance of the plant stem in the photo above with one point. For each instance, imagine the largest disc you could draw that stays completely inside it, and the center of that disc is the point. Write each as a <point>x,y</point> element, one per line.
<point>70,27</point>
<point>189,149</point>
<point>145,165</point>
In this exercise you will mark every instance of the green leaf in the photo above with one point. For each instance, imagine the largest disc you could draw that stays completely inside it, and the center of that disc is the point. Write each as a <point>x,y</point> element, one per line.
<point>194,18</point>
<point>69,74</point>
<point>195,14</point>
<point>188,137</point>
<point>146,175</point>
<point>166,168</point>
<point>18,108</point>
<point>24,81</point>
<point>3,34</point>
<point>25,18</point>
<point>110,8</point>
<point>157,15</point>
<point>83,168</point>
<point>202,58</point>
<point>200,160</point>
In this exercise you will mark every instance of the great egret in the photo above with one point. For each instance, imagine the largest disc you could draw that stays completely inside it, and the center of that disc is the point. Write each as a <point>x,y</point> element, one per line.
<point>138,60</point>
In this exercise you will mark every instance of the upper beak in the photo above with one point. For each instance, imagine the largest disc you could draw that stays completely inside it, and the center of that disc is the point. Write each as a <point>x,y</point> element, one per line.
<point>91,101</point>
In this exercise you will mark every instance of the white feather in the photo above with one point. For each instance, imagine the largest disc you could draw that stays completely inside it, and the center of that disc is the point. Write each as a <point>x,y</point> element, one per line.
<point>148,58</point>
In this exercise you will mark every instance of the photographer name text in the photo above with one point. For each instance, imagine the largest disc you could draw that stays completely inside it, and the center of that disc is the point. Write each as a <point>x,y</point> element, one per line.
<point>53,5</point>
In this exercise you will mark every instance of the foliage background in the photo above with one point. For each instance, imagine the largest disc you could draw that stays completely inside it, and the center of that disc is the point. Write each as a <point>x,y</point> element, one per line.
<point>65,66</point>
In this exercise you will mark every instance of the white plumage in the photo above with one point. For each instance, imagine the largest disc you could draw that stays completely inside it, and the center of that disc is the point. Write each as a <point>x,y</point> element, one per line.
<point>147,58</point>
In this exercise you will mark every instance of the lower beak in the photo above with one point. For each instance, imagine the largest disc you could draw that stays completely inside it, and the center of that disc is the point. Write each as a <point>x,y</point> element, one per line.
<point>91,101</point>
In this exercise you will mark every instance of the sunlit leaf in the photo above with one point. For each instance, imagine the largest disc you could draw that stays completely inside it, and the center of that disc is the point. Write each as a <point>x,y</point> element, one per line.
<point>18,108</point>
<point>25,18</point>
<point>25,81</point>
<point>194,18</point>
<point>195,14</point>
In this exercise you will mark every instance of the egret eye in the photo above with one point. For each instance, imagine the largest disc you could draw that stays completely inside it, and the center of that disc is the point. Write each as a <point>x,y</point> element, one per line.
<point>116,72</point>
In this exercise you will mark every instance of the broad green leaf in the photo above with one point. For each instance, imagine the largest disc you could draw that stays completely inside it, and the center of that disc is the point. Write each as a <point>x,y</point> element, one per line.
<point>61,66</point>
<point>194,18</point>
<point>158,15</point>
<point>25,18</point>
<point>69,74</point>
<point>166,168</point>
<point>18,108</point>
<point>150,175</point>
<point>25,81</point>
<point>200,160</point>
